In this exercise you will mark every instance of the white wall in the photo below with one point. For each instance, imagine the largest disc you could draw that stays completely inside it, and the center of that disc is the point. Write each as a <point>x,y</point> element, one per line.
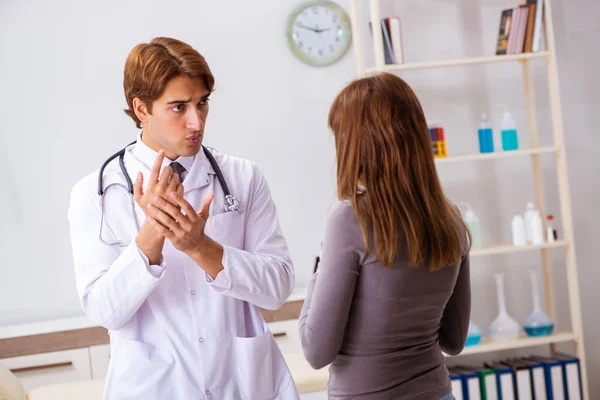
<point>61,101</point>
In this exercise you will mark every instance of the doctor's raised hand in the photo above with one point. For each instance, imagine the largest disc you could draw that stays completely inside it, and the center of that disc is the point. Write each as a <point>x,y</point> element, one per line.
<point>160,183</point>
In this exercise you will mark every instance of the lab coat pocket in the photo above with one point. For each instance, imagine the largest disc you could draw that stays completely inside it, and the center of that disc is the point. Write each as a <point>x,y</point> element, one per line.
<point>139,371</point>
<point>254,366</point>
<point>227,229</point>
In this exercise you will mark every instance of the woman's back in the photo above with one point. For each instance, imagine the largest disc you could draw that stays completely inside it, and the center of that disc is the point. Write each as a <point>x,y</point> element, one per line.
<point>382,328</point>
<point>394,288</point>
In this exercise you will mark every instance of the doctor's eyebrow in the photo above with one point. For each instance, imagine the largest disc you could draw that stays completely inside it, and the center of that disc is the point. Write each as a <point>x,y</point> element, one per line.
<point>203,98</point>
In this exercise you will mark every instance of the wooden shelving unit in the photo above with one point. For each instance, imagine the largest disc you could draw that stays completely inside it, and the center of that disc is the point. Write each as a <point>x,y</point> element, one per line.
<point>557,150</point>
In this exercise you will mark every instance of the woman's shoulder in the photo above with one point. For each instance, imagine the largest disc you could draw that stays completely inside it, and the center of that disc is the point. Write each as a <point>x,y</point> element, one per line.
<point>342,212</point>
<point>342,218</point>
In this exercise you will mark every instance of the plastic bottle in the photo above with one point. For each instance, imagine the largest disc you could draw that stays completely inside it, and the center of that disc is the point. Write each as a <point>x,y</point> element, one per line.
<point>508,131</point>
<point>518,231</point>
<point>473,223</point>
<point>528,217</point>
<point>486,138</point>
<point>533,225</point>
<point>537,229</point>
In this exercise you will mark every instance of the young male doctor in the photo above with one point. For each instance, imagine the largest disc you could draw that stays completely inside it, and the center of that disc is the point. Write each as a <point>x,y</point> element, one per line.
<point>180,294</point>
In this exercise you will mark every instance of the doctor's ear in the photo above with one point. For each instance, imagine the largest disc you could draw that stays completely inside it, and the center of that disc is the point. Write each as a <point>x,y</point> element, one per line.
<point>142,111</point>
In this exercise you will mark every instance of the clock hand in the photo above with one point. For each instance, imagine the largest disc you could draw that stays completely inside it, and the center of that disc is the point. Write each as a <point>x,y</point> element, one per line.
<point>307,27</point>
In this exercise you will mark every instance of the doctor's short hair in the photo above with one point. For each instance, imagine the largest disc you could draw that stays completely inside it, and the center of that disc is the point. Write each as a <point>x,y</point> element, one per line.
<point>151,66</point>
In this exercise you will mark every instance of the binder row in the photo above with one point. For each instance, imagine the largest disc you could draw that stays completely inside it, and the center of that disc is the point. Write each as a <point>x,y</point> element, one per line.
<point>527,378</point>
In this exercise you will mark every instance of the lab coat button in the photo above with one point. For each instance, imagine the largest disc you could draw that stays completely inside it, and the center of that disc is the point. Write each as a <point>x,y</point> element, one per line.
<point>193,292</point>
<point>201,340</point>
<point>207,392</point>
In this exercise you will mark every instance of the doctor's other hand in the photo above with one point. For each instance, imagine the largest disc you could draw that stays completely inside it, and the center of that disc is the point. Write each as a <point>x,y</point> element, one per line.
<point>184,227</point>
<point>180,223</point>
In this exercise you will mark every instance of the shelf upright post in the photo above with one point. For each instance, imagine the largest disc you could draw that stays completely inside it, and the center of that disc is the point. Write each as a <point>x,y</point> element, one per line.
<point>565,198</point>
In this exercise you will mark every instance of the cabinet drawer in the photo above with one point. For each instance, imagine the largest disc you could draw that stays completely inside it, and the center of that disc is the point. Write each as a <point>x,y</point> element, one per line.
<point>49,368</point>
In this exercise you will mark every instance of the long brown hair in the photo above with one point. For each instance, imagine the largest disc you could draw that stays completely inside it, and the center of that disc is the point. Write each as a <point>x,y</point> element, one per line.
<point>150,67</point>
<point>382,144</point>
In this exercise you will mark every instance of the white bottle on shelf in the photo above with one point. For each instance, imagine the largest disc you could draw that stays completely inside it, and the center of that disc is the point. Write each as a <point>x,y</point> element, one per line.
<point>533,221</point>
<point>518,231</point>
<point>473,223</point>
<point>537,230</point>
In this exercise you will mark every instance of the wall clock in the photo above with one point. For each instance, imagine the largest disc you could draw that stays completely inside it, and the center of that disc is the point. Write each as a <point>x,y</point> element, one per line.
<point>318,32</point>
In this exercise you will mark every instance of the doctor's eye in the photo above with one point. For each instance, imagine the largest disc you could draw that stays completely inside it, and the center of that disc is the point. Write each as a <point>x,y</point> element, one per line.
<point>178,107</point>
<point>203,102</point>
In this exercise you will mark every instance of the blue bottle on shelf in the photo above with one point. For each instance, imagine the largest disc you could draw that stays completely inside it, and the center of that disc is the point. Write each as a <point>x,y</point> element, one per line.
<point>510,140</point>
<point>486,138</point>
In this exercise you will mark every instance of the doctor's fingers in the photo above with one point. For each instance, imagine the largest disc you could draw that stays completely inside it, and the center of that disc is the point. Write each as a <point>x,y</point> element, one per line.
<point>173,211</point>
<point>138,190</point>
<point>154,173</point>
<point>165,177</point>
<point>173,182</point>
<point>185,206</point>
<point>159,213</point>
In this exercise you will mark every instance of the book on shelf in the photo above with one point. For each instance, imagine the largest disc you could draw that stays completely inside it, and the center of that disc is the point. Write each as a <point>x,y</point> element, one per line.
<point>392,40</point>
<point>505,22</point>
<point>537,24</point>
<point>520,29</point>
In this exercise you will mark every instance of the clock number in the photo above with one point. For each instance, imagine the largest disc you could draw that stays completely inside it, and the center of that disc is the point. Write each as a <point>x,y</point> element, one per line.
<point>310,49</point>
<point>320,52</point>
<point>315,10</point>
<point>300,44</point>
<point>331,48</point>
<point>334,19</point>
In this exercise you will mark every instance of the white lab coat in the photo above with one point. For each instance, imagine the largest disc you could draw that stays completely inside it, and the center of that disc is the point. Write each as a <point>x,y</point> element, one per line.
<point>174,332</point>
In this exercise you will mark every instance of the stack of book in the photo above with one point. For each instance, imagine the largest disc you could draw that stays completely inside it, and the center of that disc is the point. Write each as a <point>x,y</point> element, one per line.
<point>392,40</point>
<point>521,28</point>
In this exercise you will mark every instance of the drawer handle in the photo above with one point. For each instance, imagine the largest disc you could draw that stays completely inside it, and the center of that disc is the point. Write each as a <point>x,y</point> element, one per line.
<point>39,367</point>
<point>279,334</point>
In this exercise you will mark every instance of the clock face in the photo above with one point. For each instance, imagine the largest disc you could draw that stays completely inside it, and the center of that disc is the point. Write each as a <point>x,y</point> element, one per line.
<point>318,32</point>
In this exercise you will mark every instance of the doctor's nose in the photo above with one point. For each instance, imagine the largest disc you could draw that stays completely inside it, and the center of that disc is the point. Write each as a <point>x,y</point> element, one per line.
<point>194,120</point>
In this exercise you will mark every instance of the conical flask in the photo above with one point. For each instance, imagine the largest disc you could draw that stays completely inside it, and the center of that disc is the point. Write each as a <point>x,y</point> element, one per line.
<point>538,323</point>
<point>473,335</point>
<point>504,327</point>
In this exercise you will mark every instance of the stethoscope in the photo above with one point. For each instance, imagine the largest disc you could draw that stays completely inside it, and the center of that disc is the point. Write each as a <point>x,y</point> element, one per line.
<point>231,203</point>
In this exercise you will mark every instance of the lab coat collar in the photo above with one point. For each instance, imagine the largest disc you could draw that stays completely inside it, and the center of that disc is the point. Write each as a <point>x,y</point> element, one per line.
<point>198,167</point>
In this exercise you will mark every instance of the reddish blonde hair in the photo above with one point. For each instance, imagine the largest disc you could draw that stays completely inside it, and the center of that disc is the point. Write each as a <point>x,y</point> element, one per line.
<point>151,66</point>
<point>382,143</point>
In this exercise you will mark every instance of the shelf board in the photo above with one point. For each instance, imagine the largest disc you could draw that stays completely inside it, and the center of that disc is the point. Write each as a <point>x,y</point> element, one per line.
<point>459,62</point>
<point>496,155</point>
<point>509,248</point>
<point>487,345</point>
